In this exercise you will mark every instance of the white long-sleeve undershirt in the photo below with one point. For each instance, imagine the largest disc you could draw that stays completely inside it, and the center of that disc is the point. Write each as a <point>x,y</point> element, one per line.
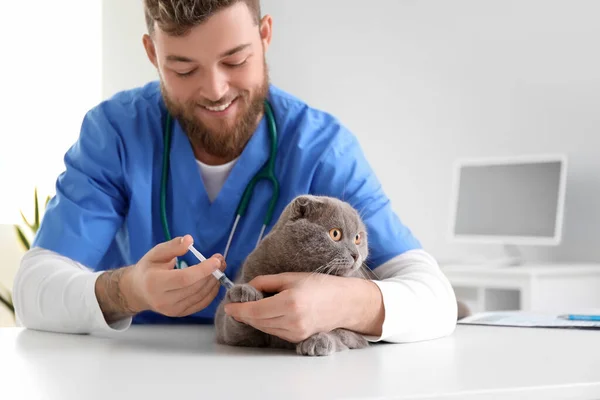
<point>53,293</point>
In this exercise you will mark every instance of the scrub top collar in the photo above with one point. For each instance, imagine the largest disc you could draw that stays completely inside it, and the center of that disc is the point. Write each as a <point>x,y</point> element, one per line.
<point>194,203</point>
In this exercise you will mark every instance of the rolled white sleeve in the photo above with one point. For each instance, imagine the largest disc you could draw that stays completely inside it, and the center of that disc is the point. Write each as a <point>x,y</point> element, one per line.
<point>419,301</point>
<point>54,293</point>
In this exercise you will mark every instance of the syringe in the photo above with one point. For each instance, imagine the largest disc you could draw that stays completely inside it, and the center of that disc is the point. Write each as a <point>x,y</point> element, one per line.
<point>221,277</point>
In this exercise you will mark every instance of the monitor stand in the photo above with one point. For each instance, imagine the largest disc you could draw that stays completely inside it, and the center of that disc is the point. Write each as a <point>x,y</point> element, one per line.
<point>512,258</point>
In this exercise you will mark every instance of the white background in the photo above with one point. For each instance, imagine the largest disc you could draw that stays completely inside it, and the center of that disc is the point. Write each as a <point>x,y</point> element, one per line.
<point>421,83</point>
<point>51,75</point>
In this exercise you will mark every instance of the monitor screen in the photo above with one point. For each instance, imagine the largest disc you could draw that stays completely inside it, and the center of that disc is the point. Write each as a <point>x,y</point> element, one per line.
<point>517,199</point>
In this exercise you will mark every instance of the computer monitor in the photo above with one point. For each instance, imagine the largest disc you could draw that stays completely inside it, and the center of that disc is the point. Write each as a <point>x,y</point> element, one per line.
<point>510,201</point>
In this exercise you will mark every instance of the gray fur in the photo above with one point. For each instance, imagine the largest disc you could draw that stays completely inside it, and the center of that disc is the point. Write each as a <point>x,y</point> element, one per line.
<point>300,242</point>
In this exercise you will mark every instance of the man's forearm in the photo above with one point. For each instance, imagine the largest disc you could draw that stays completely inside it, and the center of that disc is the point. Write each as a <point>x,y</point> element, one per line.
<point>418,299</point>
<point>366,313</point>
<point>55,293</point>
<point>111,287</point>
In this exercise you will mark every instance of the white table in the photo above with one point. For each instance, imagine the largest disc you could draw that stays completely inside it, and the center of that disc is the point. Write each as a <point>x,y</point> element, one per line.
<point>145,363</point>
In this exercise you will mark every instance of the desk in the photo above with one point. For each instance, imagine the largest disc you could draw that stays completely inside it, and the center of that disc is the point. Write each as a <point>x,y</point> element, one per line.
<point>162,363</point>
<point>548,288</point>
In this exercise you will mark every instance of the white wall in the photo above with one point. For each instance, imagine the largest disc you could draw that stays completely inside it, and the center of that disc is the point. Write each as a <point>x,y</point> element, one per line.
<point>50,78</point>
<point>124,61</point>
<point>424,82</point>
<point>51,75</point>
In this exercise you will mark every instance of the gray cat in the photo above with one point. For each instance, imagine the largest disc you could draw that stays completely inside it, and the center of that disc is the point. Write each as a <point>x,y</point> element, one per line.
<point>313,234</point>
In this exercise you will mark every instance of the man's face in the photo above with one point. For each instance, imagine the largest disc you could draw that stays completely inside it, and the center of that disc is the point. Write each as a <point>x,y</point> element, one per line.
<point>214,79</point>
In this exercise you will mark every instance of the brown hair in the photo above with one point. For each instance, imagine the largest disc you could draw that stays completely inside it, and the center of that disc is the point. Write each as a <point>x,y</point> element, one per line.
<point>177,17</point>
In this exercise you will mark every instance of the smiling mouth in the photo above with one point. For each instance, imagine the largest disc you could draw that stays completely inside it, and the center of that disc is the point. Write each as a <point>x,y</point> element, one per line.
<point>220,108</point>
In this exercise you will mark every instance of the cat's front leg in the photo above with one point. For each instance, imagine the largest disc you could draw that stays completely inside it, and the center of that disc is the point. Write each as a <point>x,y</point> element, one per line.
<point>320,344</point>
<point>327,343</point>
<point>351,340</point>
<point>242,293</point>
<point>232,332</point>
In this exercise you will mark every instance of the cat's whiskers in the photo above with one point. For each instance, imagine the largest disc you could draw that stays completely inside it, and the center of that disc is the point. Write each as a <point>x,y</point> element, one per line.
<point>322,270</point>
<point>338,268</point>
<point>334,263</point>
<point>364,275</point>
<point>325,267</point>
<point>335,267</point>
<point>373,272</point>
<point>366,271</point>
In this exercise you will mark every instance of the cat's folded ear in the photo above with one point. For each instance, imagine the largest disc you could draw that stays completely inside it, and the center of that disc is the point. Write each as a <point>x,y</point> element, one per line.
<point>304,205</point>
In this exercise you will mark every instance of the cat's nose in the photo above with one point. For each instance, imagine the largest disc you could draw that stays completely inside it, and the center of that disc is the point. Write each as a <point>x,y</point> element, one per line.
<point>355,256</point>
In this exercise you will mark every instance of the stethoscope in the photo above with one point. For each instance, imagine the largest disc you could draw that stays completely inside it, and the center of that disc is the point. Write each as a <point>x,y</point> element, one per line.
<point>266,172</point>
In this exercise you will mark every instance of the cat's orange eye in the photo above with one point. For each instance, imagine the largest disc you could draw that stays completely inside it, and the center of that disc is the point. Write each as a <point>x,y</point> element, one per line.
<point>336,234</point>
<point>357,239</point>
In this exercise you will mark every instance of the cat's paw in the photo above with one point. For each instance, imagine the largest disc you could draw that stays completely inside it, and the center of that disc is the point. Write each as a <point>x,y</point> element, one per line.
<point>319,344</point>
<point>242,293</point>
<point>350,339</point>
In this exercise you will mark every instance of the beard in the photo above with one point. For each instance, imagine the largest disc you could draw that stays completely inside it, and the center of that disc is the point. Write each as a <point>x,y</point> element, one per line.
<point>226,140</point>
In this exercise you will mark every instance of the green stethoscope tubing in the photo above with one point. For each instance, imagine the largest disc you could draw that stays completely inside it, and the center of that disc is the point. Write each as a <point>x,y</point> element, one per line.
<point>267,172</point>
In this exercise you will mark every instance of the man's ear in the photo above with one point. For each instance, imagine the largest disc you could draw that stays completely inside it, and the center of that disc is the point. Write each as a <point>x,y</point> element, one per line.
<point>304,206</point>
<point>150,50</point>
<point>266,31</point>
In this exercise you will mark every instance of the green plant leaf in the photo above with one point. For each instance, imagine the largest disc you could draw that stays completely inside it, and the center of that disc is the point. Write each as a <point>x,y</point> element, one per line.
<point>7,300</point>
<point>22,238</point>
<point>36,223</point>
<point>7,303</point>
<point>47,201</point>
<point>30,226</point>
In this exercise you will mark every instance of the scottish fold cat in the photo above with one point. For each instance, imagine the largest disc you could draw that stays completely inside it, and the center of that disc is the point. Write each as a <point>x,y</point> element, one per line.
<point>314,234</point>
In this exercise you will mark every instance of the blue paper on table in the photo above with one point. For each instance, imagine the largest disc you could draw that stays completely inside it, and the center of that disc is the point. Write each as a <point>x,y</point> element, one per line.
<point>527,320</point>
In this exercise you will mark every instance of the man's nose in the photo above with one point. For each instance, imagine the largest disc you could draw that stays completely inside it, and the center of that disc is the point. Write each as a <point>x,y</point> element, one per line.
<point>215,86</point>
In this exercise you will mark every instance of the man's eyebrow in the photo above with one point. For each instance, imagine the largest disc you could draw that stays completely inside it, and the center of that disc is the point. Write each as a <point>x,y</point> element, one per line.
<point>235,50</point>
<point>223,55</point>
<point>179,58</point>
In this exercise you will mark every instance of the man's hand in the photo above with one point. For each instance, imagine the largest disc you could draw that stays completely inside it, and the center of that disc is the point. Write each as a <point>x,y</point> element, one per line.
<point>306,304</point>
<point>153,284</point>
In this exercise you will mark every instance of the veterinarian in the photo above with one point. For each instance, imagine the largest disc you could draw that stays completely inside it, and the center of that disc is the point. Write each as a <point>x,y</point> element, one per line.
<point>162,166</point>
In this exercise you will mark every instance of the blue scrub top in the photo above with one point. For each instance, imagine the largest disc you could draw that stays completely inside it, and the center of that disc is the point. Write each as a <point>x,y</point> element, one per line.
<point>106,212</point>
